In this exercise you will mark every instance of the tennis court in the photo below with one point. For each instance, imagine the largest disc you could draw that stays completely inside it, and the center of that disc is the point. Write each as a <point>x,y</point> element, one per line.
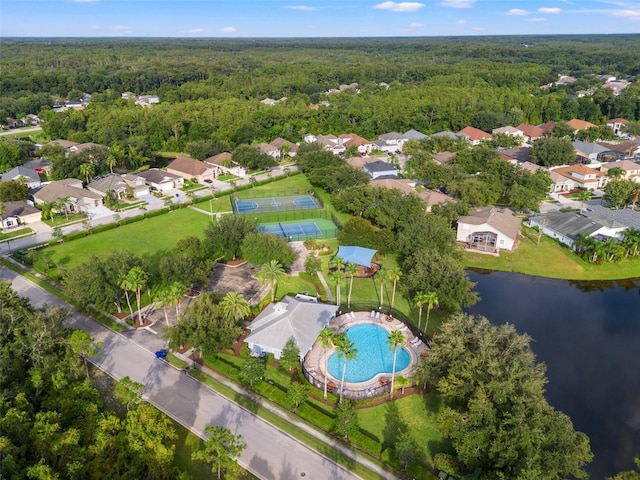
<point>295,231</point>
<point>274,204</point>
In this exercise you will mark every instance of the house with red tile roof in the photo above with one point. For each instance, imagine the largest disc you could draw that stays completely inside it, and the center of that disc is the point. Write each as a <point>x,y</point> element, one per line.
<point>408,187</point>
<point>364,146</point>
<point>531,132</point>
<point>474,135</point>
<point>576,124</point>
<point>579,176</point>
<point>190,168</point>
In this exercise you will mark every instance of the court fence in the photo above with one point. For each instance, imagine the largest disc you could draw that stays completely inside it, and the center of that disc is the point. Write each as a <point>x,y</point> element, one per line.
<point>274,194</point>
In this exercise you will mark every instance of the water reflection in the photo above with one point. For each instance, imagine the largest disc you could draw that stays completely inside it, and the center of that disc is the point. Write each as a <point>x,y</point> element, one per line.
<point>588,334</point>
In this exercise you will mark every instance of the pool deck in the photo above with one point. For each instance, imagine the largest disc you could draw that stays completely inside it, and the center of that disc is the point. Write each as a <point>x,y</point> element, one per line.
<point>315,361</point>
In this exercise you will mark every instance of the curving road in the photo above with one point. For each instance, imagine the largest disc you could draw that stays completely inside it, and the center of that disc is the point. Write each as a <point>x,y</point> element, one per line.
<point>270,453</point>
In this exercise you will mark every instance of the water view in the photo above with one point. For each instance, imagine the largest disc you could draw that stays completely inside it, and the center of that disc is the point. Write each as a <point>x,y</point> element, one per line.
<point>588,334</point>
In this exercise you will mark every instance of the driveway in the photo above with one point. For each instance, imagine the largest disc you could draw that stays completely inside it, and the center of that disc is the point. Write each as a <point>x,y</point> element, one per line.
<point>99,212</point>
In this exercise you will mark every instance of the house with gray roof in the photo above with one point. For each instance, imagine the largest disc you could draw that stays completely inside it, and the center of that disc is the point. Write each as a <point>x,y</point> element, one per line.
<point>589,151</point>
<point>78,198</point>
<point>380,169</point>
<point>23,174</point>
<point>19,213</point>
<point>391,142</point>
<point>161,180</point>
<point>489,230</point>
<point>119,185</point>
<point>414,135</point>
<point>567,226</point>
<point>300,318</point>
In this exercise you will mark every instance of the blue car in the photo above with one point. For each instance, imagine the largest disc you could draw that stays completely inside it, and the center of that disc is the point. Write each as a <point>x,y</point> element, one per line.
<point>161,353</point>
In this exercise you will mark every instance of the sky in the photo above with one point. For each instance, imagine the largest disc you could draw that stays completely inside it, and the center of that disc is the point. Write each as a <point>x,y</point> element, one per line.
<point>314,18</point>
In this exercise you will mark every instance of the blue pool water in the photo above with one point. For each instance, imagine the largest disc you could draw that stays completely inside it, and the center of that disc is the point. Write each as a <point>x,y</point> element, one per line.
<point>374,355</point>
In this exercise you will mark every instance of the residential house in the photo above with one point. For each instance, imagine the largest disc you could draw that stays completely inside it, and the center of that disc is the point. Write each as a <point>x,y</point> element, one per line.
<point>23,174</point>
<point>119,185</point>
<point>160,180</point>
<point>147,100</point>
<point>19,213</point>
<point>390,143</point>
<point>516,154</point>
<point>474,135</point>
<point>66,144</point>
<point>443,158</point>
<point>446,133</point>
<point>616,124</point>
<point>379,169</point>
<point>285,147</point>
<point>631,170</point>
<point>580,176</point>
<point>80,147</point>
<point>628,149</point>
<point>512,131</point>
<point>191,169</point>
<point>567,226</point>
<point>77,198</point>
<point>223,164</point>
<point>364,146</point>
<point>547,127</point>
<point>360,162</point>
<point>489,229</point>
<point>269,149</point>
<point>589,152</point>
<point>331,143</point>
<point>414,135</point>
<point>531,132</point>
<point>576,124</point>
<point>300,319</point>
<point>408,187</point>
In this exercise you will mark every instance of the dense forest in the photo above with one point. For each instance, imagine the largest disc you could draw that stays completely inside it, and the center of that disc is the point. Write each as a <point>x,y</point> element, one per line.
<point>210,90</point>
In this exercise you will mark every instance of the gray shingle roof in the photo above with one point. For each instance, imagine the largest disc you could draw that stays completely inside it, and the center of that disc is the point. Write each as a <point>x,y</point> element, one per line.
<point>626,217</point>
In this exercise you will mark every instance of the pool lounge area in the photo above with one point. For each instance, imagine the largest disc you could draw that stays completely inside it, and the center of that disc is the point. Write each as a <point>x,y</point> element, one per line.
<point>315,362</point>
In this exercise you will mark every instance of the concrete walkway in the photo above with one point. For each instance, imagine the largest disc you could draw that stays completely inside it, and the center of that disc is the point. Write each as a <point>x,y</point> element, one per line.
<point>327,290</point>
<point>270,453</point>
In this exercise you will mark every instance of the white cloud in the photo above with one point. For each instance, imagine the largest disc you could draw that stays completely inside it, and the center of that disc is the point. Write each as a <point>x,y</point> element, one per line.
<point>537,19</point>
<point>399,7</point>
<point>195,30</point>
<point>517,12</point>
<point>228,30</point>
<point>457,3</point>
<point>631,14</point>
<point>416,25</point>
<point>461,22</point>
<point>552,10</point>
<point>121,28</point>
<point>302,8</point>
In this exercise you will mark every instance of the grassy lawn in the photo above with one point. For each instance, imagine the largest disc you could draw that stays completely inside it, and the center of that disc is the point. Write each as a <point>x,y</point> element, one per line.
<point>552,260</point>
<point>62,220</point>
<point>15,233</point>
<point>147,238</point>
<point>217,204</point>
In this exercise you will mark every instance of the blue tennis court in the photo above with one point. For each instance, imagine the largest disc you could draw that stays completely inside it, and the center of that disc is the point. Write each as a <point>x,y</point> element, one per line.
<point>275,204</point>
<point>292,230</point>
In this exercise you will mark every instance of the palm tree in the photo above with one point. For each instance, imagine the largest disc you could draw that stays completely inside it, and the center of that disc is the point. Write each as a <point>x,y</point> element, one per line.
<point>176,293</point>
<point>396,338</point>
<point>270,274</point>
<point>326,338</point>
<point>381,275</point>
<point>584,196</point>
<point>47,209</point>
<point>117,152</point>
<point>338,263</point>
<point>615,173</point>
<point>88,170</point>
<point>62,205</point>
<point>111,162</point>
<point>583,245</point>
<point>345,350</point>
<point>419,301</point>
<point>431,300</point>
<point>164,298</point>
<point>394,275</point>
<point>234,306</point>
<point>136,279</point>
<point>336,276</point>
<point>614,250</point>
<point>351,270</point>
<point>632,241</point>
<point>126,286</point>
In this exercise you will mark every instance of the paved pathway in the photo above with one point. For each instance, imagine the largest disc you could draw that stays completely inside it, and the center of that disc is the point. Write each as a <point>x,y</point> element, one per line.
<point>270,453</point>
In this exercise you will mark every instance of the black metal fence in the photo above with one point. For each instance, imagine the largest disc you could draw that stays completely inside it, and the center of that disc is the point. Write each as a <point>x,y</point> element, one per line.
<point>350,393</point>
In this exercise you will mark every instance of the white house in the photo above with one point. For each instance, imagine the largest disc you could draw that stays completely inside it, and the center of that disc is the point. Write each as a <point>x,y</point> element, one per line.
<point>379,169</point>
<point>23,174</point>
<point>489,229</point>
<point>161,180</point>
<point>567,226</point>
<point>301,319</point>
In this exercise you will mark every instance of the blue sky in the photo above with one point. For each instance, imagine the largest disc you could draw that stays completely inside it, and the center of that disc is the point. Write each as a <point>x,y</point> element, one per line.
<point>313,18</point>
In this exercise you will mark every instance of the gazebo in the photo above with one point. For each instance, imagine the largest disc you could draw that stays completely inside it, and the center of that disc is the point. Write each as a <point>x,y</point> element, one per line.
<point>363,257</point>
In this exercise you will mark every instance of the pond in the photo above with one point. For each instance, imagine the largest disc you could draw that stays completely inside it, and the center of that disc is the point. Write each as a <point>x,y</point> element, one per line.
<point>588,335</point>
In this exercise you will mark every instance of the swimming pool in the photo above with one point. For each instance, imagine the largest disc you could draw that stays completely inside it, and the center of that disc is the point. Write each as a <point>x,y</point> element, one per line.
<point>374,355</point>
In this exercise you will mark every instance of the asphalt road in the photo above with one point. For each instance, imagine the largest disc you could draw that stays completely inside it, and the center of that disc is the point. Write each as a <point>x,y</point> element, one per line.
<point>270,453</point>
